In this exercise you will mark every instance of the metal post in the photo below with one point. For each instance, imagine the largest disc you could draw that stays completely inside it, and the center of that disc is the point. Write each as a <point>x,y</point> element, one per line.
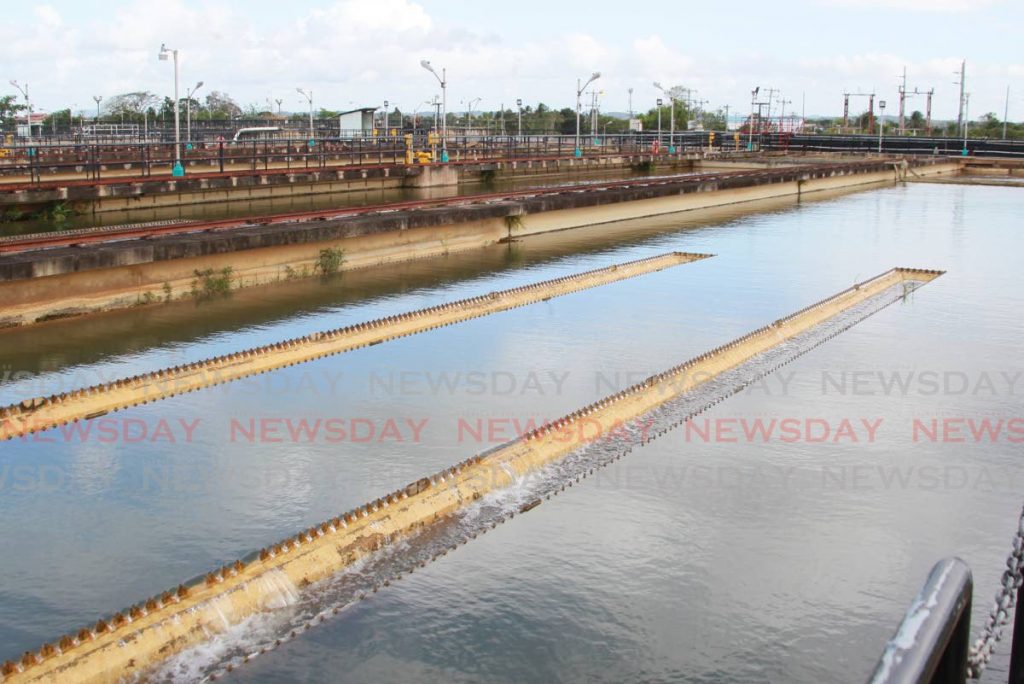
<point>881,123</point>
<point>519,128</point>
<point>28,105</point>
<point>659,122</point>
<point>967,120</point>
<point>178,170</point>
<point>1006,111</point>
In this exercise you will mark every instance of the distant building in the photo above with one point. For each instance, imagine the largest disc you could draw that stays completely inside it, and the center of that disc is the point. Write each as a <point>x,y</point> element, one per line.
<point>37,124</point>
<point>356,123</point>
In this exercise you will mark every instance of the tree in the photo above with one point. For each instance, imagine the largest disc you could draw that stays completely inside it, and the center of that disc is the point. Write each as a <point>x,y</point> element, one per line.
<point>9,107</point>
<point>130,105</point>
<point>220,106</point>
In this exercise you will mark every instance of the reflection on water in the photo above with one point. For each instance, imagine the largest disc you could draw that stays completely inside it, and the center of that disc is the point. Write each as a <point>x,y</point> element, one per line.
<point>733,558</point>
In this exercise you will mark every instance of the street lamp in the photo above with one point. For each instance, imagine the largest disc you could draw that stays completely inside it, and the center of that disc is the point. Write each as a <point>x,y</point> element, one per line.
<point>28,104</point>
<point>279,101</point>
<point>579,92</point>
<point>881,123</point>
<point>658,102</point>
<point>519,104</point>
<point>178,169</point>
<point>309,96</point>
<point>671,116</point>
<point>443,80</point>
<point>188,111</point>
<point>98,98</point>
<point>469,113</point>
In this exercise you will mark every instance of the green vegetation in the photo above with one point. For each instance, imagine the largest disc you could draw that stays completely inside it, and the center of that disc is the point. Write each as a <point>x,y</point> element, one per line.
<point>167,291</point>
<point>329,261</point>
<point>209,283</point>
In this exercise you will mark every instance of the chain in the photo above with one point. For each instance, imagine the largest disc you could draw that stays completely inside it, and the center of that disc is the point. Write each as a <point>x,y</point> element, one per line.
<point>1005,599</point>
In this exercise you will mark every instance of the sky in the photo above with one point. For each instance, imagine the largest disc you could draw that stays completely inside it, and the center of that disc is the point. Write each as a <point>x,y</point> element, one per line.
<point>354,53</point>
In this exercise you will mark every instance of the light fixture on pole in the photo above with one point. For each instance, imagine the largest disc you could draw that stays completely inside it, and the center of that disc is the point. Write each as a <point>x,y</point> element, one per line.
<point>312,130</point>
<point>579,93</point>
<point>188,113</point>
<point>178,170</point>
<point>384,119</point>
<point>28,105</point>
<point>881,123</point>
<point>519,128</point>
<point>750,124</point>
<point>443,80</point>
<point>98,99</point>
<point>279,101</point>
<point>671,117</point>
<point>469,112</point>
<point>658,101</point>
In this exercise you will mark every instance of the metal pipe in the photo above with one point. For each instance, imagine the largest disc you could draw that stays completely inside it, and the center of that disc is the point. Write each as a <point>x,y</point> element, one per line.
<point>931,643</point>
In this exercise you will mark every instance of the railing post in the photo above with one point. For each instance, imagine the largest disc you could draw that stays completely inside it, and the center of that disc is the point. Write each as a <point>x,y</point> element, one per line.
<point>220,156</point>
<point>1017,650</point>
<point>931,644</point>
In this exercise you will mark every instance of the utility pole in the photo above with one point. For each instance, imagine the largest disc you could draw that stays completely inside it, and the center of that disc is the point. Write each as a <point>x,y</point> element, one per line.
<point>630,103</point>
<point>519,127</point>
<point>960,106</point>
<point>967,120</point>
<point>903,99</point>
<point>928,113</point>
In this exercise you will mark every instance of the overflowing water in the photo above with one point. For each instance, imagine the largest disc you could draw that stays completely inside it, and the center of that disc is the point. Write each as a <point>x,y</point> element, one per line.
<point>716,552</point>
<point>239,645</point>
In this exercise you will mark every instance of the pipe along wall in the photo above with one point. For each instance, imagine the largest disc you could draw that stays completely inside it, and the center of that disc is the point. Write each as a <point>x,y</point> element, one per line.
<point>41,413</point>
<point>132,641</point>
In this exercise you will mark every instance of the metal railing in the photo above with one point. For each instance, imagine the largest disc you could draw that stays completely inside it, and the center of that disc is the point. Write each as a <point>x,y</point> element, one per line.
<point>932,643</point>
<point>33,163</point>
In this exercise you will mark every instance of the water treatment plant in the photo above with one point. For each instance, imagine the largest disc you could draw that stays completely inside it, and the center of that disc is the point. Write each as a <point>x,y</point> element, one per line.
<point>461,393</point>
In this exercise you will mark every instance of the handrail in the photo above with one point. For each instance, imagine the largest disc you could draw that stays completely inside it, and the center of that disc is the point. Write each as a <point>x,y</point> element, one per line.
<point>931,643</point>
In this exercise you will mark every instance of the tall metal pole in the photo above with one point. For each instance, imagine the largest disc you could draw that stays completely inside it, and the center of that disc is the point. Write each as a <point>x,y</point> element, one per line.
<point>750,126</point>
<point>188,110</point>
<point>903,99</point>
<point>960,108</point>
<point>28,105</point>
<point>881,123</point>
<point>98,99</point>
<point>1006,111</point>
<point>178,170</point>
<point>519,131</point>
<point>967,119</point>
<point>579,91</point>
<point>659,122</point>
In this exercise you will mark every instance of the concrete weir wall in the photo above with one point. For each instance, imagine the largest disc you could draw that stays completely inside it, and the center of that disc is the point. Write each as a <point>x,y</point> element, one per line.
<point>130,642</point>
<point>41,413</point>
<point>45,284</point>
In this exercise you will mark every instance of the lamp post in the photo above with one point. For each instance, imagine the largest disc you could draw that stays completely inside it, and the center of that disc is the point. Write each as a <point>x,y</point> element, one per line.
<point>659,121</point>
<point>469,112</point>
<point>188,111</point>
<point>309,96</point>
<point>967,120</point>
<point>579,92</point>
<point>28,104</point>
<point>279,101</point>
<point>750,124</point>
<point>178,169</point>
<point>98,99</point>
<point>519,127</point>
<point>443,80</point>
<point>881,123</point>
<point>671,117</point>
<point>384,128</point>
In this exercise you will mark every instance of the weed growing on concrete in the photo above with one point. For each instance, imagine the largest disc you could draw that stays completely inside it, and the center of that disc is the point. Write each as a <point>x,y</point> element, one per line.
<point>329,262</point>
<point>209,283</point>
